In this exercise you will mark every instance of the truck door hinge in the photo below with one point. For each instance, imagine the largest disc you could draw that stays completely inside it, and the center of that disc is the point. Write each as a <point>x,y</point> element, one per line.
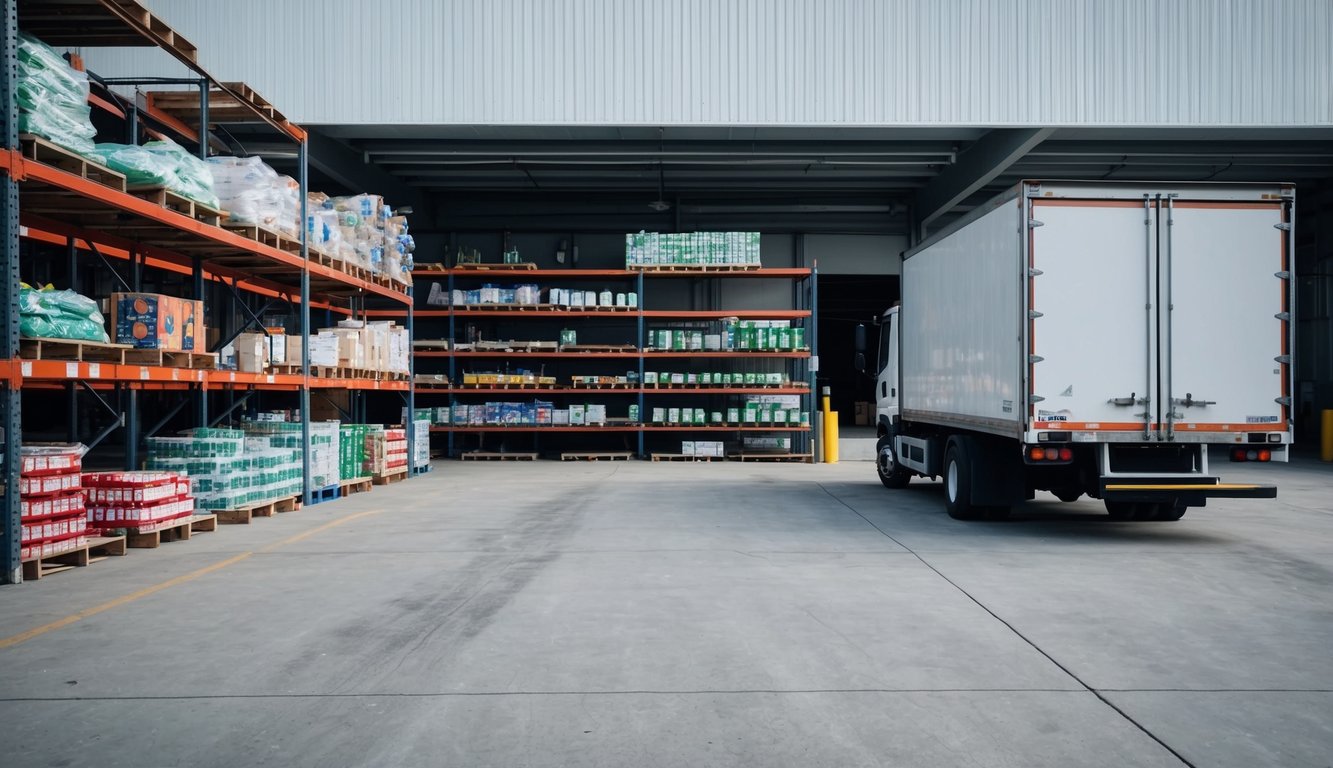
<point>1034,314</point>
<point>1033,359</point>
<point>1035,273</point>
<point>1284,400</point>
<point>1284,359</point>
<point>1033,223</point>
<point>1284,226</point>
<point>1283,316</point>
<point>1190,402</point>
<point>1036,399</point>
<point>1283,275</point>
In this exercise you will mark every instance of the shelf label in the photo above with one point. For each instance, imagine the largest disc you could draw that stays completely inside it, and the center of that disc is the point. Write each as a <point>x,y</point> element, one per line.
<point>25,369</point>
<point>233,376</point>
<point>71,370</point>
<point>175,374</point>
<point>814,363</point>
<point>143,373</point>
<point>270,378</point>
<point>94,370</point>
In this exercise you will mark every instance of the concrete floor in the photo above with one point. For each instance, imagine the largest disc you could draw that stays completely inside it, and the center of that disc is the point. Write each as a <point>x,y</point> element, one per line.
<point>557,614</point>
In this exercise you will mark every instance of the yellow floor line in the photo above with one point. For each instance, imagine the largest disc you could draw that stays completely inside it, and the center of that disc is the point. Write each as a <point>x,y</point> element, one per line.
<point>23,637</point>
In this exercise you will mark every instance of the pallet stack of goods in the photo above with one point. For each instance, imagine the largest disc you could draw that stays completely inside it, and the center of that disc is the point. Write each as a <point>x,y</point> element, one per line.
<point>731,336</point>
<point>137,501</point>
<point>226,469</point>
<point>699,249</point>
<point>51,506</point>
<point>352,451</point>
<point>421,442</point>
<point>386,452</point>
<point>325,437</point>
<point>359,347</point>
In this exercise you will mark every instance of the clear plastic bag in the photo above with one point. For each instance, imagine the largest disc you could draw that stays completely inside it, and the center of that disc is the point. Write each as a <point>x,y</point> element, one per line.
<point>52,97</point>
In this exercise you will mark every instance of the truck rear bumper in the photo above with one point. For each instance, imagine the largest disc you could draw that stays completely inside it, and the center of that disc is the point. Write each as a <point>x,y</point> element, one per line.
<point>1191,494</point>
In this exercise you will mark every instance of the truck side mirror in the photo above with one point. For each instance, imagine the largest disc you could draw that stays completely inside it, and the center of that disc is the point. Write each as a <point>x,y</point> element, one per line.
<point>861,337</point>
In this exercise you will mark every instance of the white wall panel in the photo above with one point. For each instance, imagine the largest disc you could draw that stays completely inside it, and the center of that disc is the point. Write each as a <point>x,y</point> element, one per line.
<point>763,62</point>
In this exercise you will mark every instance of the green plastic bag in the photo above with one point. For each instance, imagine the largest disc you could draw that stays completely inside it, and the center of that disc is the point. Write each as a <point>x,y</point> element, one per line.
<point>141,166</point>
<point>53,314</point>
<point>52,97</point>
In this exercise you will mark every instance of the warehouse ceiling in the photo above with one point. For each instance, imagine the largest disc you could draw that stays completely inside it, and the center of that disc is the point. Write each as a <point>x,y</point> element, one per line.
<point>872,180</point>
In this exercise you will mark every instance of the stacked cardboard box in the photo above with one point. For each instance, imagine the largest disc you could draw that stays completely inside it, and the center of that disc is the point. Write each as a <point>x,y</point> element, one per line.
<point>51,507</point>
<point>386,451</point>
<point>704,448</point>
<point>325,436</point>
<point>136,500</point>
<point>155,321</point>
<point>381,346</point>
<point>420,442</point>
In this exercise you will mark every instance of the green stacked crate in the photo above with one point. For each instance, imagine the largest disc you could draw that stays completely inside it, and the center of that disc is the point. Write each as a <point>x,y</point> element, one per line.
<point>352,451</point>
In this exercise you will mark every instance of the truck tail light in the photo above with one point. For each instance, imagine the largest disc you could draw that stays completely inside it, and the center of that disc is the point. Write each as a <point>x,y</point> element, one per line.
<point>1040,455</point>
<point>1265,455</point>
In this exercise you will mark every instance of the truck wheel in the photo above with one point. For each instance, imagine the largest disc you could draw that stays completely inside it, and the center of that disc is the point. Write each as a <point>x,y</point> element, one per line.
<point>1122,510</point>
<point>1169,511</point>
<point>886,464</point>
<point>1067,494</point>
<point>958,483</point>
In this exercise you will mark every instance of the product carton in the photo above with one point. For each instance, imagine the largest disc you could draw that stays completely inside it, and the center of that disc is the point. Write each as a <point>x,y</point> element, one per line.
<point>578,415</point>
<point>673,415</point>
<point>596,414</point>
<point>251,352</point>
<point>156,321</point>
<point>323,349</point>
<point>687,447</point>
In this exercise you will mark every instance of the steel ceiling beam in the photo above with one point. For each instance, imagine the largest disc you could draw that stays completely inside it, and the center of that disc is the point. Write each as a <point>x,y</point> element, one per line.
<point>983,161</point>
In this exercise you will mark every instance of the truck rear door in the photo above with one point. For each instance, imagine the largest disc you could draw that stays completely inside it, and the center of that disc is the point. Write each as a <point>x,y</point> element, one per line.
<point>1091,294</point>
<point>1225,334</point>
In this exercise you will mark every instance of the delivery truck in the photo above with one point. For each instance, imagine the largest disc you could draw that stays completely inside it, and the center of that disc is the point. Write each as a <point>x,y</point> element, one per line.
<point>1114,340</point>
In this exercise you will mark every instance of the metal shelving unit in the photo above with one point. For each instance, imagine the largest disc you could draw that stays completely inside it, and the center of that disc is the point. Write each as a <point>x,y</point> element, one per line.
<point>52,206</point>
<point>804,302</point>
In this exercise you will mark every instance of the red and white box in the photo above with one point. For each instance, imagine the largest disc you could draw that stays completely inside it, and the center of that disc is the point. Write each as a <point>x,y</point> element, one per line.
<point>131,488</point>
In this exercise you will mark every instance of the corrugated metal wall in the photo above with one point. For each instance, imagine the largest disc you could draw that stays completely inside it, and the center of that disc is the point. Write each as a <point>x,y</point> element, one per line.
<point>762,62</point>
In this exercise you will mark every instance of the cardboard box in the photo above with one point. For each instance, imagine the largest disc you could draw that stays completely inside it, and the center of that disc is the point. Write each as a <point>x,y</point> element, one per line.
<point>323,349</point>
<point>157,321</point>
<point>673,415</point>
<point>596,414</point>
<point>578,415</point>
<point>862,414</point>
<point>687,447</point>
<point>251,352</point>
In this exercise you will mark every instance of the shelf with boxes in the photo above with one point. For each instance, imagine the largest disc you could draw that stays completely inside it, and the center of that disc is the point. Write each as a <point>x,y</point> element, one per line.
<point>695,352</point>
<point>182,253</point>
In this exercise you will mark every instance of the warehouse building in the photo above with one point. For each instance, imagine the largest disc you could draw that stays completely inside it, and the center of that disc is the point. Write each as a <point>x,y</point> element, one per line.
<point>596,282</point>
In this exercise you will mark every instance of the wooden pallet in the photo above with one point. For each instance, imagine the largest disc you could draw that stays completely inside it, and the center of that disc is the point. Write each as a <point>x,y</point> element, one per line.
<point>355,485</point>
<point>207,361</point>
<point>515,346</point>
<point>605,456</point>
<point>243,515</point>
<point>180,204</point>
<point>683,457</point>
<point>265,236</point>
<point>47,153</point>
<point>599,348</point>
<point>203,523</point>
<point>495,456</point>
<point>153,536</point>
<point>430,344</point>
<point>393,477</point>
<point>70,349</point>
<point>798,457</point>
<point>524,266</point>
<point>694,267</point>
<point>98,548</point>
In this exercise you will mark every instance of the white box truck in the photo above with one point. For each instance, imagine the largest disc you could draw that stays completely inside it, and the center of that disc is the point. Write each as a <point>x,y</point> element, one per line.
<point>1092,338</point>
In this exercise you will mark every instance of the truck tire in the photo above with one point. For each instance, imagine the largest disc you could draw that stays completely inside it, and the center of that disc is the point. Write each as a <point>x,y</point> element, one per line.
<point>1169,511</point>
<point>958,482</point>
<point>886,464</point>
<point>1122,510</point>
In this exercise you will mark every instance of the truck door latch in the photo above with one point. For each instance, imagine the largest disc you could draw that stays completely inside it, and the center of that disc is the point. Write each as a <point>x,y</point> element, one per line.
<point>1190,402</point>
<point>1131,400</point>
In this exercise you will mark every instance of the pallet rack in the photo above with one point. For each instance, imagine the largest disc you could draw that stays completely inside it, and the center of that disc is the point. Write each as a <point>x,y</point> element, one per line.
<point>804,296</point>
<point>48,200</point>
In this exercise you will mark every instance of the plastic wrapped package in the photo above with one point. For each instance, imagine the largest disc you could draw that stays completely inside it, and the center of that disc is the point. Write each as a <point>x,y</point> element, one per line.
<point>249,189</point>
<point>52,97</point>
<point>194,178</point>
<point>160,164</point>
<point>289,205</point>
<point>53,314</point>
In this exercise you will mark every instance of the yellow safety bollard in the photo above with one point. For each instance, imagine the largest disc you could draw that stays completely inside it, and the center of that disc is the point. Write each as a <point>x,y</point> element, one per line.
<point>1326,437</point>
<point>831,438</point>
